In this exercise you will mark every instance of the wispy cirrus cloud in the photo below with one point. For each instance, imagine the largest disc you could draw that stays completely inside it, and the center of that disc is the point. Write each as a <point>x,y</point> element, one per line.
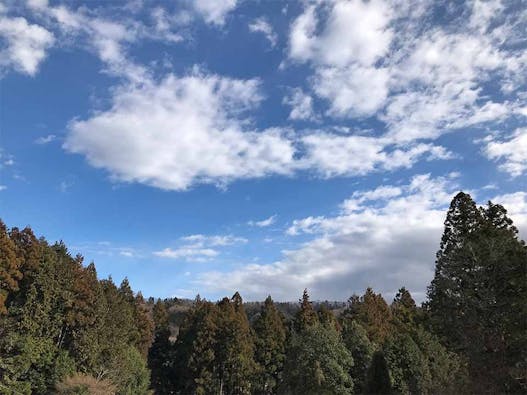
<point>199,247</point>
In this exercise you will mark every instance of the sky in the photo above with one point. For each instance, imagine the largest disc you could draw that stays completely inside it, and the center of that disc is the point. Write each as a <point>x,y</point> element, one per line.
<point>211,146</point>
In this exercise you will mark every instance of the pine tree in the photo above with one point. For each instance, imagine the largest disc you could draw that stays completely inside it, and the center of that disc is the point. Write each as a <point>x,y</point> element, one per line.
<point>270,345</point>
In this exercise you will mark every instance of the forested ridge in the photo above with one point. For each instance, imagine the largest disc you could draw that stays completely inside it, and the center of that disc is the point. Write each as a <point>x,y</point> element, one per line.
<point>63,330</point>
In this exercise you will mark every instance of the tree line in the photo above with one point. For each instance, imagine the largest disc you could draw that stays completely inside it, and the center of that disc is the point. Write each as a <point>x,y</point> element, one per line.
<point>64,331</point>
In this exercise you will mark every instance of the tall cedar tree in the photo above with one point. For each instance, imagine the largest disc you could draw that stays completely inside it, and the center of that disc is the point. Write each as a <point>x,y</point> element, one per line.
<point>306,316</point>
<point>270,343</point>
<point>478,297</point>
<point>234,348</point>
<point>372,312</point>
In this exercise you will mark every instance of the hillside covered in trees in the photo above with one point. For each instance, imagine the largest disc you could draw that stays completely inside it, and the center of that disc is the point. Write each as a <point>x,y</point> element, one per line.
<point>63,330</point>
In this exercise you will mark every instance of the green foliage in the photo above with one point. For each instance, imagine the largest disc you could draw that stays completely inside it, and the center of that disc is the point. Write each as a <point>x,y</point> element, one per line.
<point>478,297</point>
<point>60,319</point>
<point>306,316</point>
<point>379,381</point>
<point>270,343</point>
<point>372,312</point>
<point>408,367</point>
<point>129,373</point>
<point>318,362</point>
<point>356,340</point>
<point>9,267</point>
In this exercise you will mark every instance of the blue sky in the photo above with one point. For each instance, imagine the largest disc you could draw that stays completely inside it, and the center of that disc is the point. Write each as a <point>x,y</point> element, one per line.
<point>213,146</point>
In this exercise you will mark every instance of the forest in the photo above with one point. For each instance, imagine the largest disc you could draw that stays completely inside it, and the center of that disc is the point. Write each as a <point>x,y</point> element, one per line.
<point>65,331</point>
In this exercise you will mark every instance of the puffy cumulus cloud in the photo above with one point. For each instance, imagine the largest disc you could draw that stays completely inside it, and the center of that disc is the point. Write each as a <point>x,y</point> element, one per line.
<point>262,25</point>
<point>199,248</point>
<point>385,238</point>
<point>510,152</point>
<point>419,75</point>
<point>23,45</point>
<point>301,105</point>
<point>354,32</point>
<point>214,11</point>
<point>352,38</point>
<point>181,131</point>
<point>332,155</point>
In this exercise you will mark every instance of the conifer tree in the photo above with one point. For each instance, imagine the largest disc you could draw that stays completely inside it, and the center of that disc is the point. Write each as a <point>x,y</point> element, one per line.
<point>317,362</point>
<point>9,268</point>
<point>270,343</point>
<point>379,382</point>
<point>478,296</point>
<point>356,340</point>
<point>160,354</point>
<point>306,316</point>
<point>372,312</point>
<point>234,347</point>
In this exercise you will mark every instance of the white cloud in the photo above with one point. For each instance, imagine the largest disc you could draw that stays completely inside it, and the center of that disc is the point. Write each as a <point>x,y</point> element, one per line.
<point>264,222</point>
<point>388,243</point>
<point>199,248</point>
<point>214,240</point>
<point>511,152</point>
<point>301,105</point>
<point>391,60</point>
<point>355,32</point>
<point>3,187</point>
<point>46,139</point>
<point>332,155</point>
<point>352,91</point>
<point>516,205</point>
<point>181,131</point>
<point>188,253</point>
<point>214,11</point>
<point>355,35</point>
<point>261,25</point>
<point>24,44</point>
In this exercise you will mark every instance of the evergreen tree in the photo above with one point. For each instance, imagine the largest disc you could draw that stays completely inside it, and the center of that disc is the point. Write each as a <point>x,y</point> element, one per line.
<point>234,347</point>
<point>270,343</point>
<point>453,281</point>
<point>317,362</point>
<point>379,382</point>
<point>372,312</point>
<point>306,316</point>
<point>408,367</point>
<point>160,354</point>
<point>9,268</point>
<point>478,296</point>
<point>356,340</point>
